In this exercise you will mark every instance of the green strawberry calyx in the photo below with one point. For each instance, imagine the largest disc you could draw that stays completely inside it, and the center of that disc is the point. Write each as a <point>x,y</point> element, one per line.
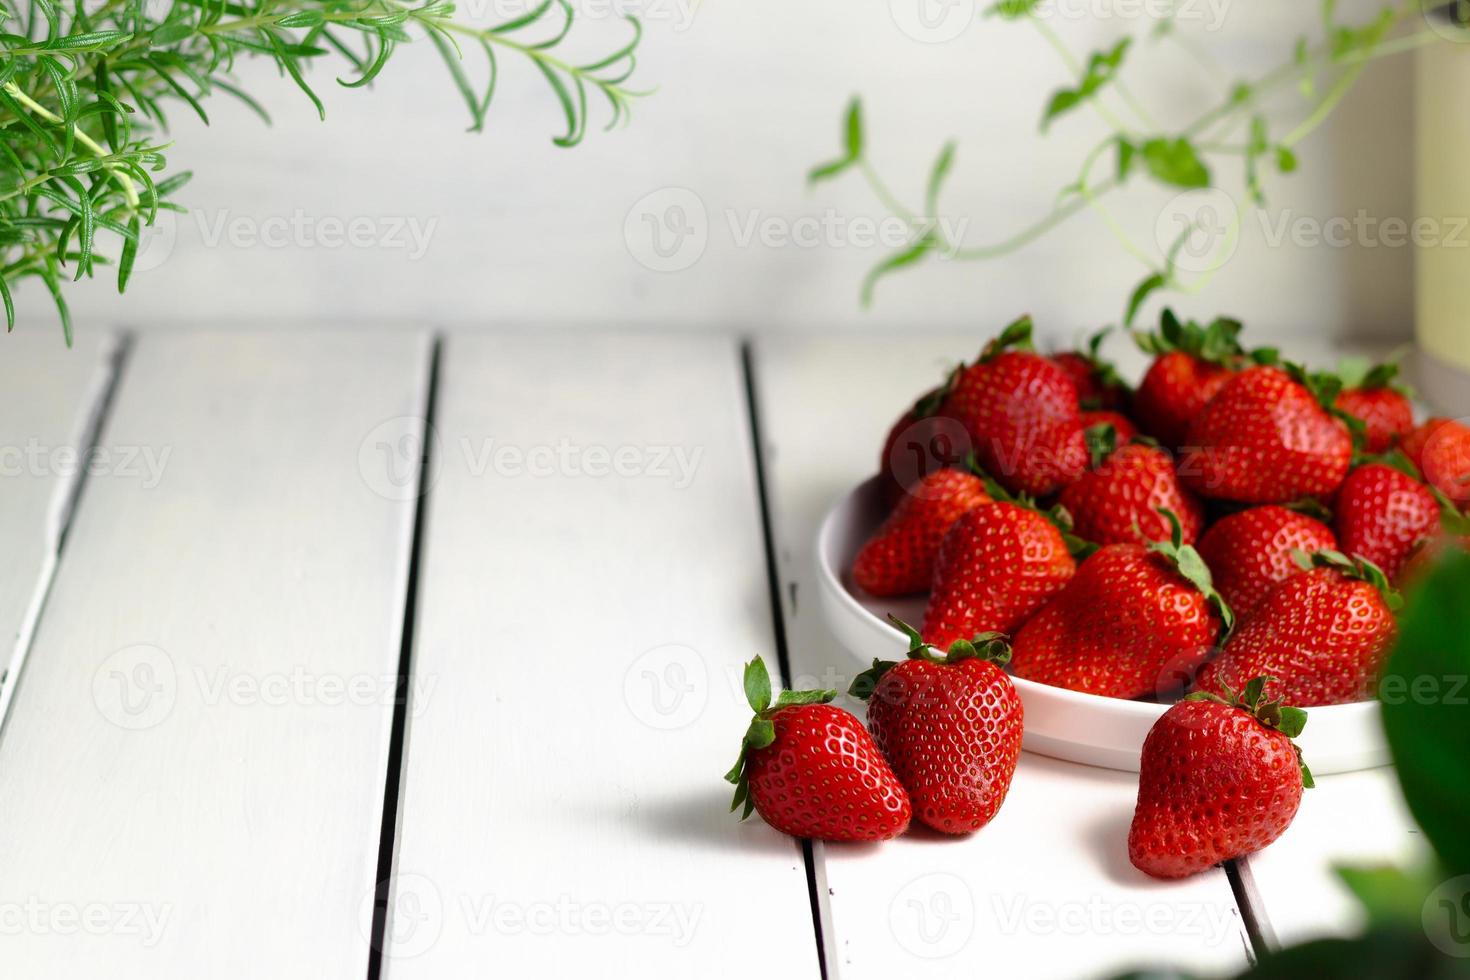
<point>1356,567</point>
<point>1102,442</point>
<point>1105,371</point>
<point>1189,564</point>
<point>1056,515</point>
<point>932,401</point>
<point>991,647</point>
<point>1217,343</point>
<point>762,731</point>
<point>1016,336</point>
<point>1272,713</point>
<point>1325,386</point>
<point>1361,374</point>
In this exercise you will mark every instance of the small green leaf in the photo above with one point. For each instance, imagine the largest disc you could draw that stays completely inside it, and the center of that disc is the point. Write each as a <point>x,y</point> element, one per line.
<point>757,685</point>
<point>1140,294</point>
<point>1175,162</point>
<point>893,263</point>
<point>762,733</point>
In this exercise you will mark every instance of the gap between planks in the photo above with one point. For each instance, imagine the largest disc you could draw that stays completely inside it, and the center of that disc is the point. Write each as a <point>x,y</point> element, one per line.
<point>816,878</point>
<point>66,497</point>
<point>392,809</point>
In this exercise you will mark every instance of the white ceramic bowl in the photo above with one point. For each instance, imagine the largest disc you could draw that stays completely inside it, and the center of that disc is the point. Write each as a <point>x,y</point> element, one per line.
<point>1065,724</point>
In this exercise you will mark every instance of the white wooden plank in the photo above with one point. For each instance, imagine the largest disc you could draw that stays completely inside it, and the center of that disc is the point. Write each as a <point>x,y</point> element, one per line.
<point>193,767</point>
<point>593,577</point>
<point>1356,818</point>
<point>47,397</point>
<point>1046,890</point>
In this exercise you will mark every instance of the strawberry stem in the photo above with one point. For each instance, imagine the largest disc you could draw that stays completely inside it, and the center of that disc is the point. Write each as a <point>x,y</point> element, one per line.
<point>1273,713</point>
<point>988,646</point>
<point>1189,564</point>
<point>1216,343</point>
<point>1016,336</point>
<point>1356,567</point>
<point>762,732</point>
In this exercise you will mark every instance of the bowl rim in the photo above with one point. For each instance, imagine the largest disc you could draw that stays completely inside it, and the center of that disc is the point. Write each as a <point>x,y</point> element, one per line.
<point>832,580</point>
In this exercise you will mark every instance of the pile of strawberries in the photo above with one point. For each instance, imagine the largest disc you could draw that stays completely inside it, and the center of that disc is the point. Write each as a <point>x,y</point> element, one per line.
<point>1053,514</point>
<point>1235,516</point>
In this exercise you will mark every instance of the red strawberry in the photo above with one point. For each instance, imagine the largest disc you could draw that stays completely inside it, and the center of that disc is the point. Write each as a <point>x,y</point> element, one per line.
<point>1440,448</point>
<point>1021,412</point>
<point>996,566</point>
<point>1121,501</point>
<point>1124,430</point>
<point>812,770</point>
<point>1219,779</point>
<point>1134,621</point>
<point>1265,439</point>
<point>1099,385</point>
<point>950,725</point>
<point>1413,443</point>
<point>1430,551</point>
<point>1383,515</point>
<point>1191,363</point>
<point>923,440</point>
<point>899,557</point>
<point>1320,635</point>
<point>1370,396</point>
<point>1251,550</point>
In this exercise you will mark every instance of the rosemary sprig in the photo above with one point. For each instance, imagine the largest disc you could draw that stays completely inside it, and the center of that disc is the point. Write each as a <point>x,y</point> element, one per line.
<point>85,92</point>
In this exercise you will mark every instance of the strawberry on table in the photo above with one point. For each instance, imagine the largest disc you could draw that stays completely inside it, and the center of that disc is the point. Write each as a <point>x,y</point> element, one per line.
<point>1099,386</point>
<point>899,558</point>
<point>1383,514</point>
<point>996,566</point>
<point>811,770</point>
<point>1251,550</point>
<point>1191,363</point>
<point>1371,396</point>
<point>950,725</point>
<point>1321,635</point>
<point>1123,499</point>
<point>1020,410</point>
<point>1134,621</point>
<point>1265,438</point>
<point>1220,778</point>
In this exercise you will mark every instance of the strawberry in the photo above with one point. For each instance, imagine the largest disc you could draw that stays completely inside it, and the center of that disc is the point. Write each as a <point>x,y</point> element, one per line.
<point>1123,499</point>
<point>1134,621</point>
<point>1440,449</point>
<point>1124,430</point>
<point>1370,395</point>
<point>1099,386</point>
<point>1383,515</point>
<point>1020,410</point>
<point>899,558</point>
<point>812,770</point>
<point>1454,534</point>
<point>950,725</point>
<point>923,440</point>
<point>1265,438</point>
<point>1191,363</point>
<point>1251,550</point>
<point>996,566</point>
<point>1219,778</point>
<point>1321,635</point>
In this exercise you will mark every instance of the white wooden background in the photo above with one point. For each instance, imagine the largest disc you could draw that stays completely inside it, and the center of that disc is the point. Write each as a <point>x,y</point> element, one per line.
<point>203,774</point>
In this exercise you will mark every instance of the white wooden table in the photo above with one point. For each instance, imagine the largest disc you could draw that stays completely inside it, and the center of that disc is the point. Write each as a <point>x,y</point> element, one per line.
<point>207,770</point>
